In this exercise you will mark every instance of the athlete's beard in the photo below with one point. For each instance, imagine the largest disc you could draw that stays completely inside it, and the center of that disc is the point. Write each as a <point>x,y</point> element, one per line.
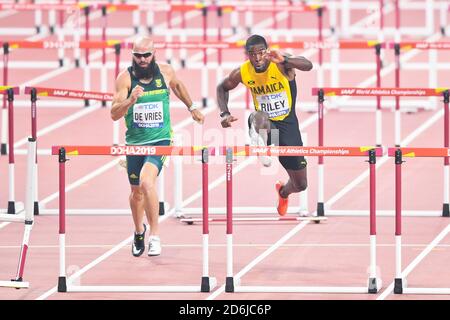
<point>144,72</point>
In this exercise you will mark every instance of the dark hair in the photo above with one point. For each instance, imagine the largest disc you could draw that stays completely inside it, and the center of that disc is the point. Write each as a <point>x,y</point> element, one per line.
<point>254,40</point>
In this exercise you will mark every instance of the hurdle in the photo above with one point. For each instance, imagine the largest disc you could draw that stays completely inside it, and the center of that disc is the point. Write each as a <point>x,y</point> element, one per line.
<point>207,282</point>
<point>27,218</point>
<point>432,48</point>
<point>75,94</point>
<point>185,214</point>
<point>346,6</point>
<point>36,92</point>
<point>400,281</point>
<point>445,8</point>
<point>8,130</point>
<point>233,284</point>
<point>406,92</point>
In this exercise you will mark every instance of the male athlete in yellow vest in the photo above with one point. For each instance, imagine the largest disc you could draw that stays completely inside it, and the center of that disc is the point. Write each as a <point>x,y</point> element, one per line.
<point>270,76</point>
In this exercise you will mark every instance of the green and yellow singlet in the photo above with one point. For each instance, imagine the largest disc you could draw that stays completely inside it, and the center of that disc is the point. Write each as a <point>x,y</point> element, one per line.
<point>272,92</point>
<point>148,120</point>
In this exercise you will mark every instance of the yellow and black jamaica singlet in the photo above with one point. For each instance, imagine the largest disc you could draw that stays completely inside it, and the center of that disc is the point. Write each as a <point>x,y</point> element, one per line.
<point>275,95</point>
<point>272,92</point>
<point>148,120</point>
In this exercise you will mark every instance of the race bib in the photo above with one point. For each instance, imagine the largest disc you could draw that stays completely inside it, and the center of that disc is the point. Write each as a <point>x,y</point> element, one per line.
<point>274,104</point>
<point>148,115</point>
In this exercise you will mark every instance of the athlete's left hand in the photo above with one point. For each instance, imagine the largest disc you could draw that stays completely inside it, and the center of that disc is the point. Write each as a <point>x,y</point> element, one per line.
<point>274,56</point>
<point>198,116</point>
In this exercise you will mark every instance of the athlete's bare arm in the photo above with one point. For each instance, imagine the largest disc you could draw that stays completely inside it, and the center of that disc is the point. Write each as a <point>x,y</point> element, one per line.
<point>289,62</point>
<point>223,89</point>
<point>179,89</point>
<point>121,103</point>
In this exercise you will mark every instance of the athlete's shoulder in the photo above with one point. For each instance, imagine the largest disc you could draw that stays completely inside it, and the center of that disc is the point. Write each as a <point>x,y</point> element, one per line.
<point>124,78</point>
<point>166,70</point>
<point>235,75</point>
<point>165,67</point>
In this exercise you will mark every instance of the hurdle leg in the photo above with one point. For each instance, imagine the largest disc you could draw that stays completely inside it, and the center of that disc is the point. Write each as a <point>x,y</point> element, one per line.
<point>150,21</point>
<point>204,84</point>
<point>136,20</point>
<point>60,33</point>
<point>320,168</point>
<point>207,283</point>
<point>36,184</point>
<point>38,21</point>
<point>77,50</point>
<point>161,192</point>
<point>303,197</point>
<point>445,208</point>
<point>178,173</point>
<point>29,214</point>
<point>374,281</point>
<point>11,171</point>
<point>4,135</point>
<point>249,19</point>
<point>399,282</point>
<point>398,123</point>
<point>87,80</point>
<point>33,98</point>
<point>229,281</point>
<point>51,21</point>
<point>443,17</point>
<point>62,284</point>
<point>378,118</point>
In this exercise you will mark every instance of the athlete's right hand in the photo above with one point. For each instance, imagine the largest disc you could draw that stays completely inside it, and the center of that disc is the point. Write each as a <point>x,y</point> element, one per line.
<point>227,120</point>
<point>136,93</point>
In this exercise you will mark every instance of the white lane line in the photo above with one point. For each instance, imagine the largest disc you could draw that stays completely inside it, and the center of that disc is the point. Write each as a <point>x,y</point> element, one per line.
<point>416,261</point>
<point>244,245</point>
<point>3,224</point>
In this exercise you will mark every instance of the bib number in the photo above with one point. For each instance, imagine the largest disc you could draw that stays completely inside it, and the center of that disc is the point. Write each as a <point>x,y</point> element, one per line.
<point>148,115</point>
<point>274,104</point>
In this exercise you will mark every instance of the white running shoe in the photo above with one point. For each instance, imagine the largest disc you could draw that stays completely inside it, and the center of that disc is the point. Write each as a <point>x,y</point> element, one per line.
<point>257,141</point>
<point>154,246</point>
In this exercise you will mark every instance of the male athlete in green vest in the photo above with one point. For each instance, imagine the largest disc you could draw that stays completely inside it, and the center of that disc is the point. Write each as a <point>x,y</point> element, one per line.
<point>142,97</point>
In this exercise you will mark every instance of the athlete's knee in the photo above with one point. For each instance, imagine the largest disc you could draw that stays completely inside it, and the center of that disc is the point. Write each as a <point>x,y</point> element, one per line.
<point>261,120</point>
<point>146,186</point>
<point>136,195</point>
<point>300,184</point>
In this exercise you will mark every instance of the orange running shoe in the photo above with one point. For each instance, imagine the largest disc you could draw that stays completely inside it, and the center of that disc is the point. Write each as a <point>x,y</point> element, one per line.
<point>282,202</point>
